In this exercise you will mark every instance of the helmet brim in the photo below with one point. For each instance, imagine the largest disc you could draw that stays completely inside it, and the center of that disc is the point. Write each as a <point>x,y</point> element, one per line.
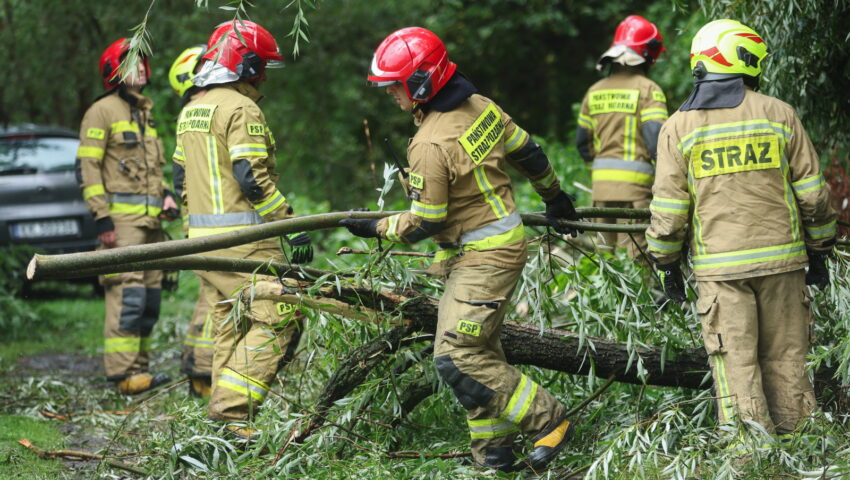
<point>275,63</point>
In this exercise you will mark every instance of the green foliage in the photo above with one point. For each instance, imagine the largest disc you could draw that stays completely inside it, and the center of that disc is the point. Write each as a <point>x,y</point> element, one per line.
<point>809,62</point>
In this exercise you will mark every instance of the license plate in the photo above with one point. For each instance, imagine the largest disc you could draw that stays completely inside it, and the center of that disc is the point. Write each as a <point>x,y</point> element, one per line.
<point>46,228</point>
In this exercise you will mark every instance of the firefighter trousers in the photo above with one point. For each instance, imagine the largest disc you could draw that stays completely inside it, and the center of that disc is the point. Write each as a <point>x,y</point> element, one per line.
<point>501,401</point>
<point>757,332</point>
<point>252,340</point>
<point>132,301</point>
<point>634,243</point>
<point>199,344</point>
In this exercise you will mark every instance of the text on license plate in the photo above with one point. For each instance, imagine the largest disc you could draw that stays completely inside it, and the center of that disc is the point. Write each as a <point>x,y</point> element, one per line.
<point>46,228</point>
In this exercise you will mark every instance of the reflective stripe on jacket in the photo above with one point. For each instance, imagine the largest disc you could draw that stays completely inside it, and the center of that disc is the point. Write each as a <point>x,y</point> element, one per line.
<point>618,127</point>
<point>461,195</point>
<point>226,151</point>
<point>746,182</point>
<point>120,154</point>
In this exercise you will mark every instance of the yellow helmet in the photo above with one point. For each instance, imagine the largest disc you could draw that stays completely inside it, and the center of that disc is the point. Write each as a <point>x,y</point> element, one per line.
<point>727,48</point>
<point>183,69</point>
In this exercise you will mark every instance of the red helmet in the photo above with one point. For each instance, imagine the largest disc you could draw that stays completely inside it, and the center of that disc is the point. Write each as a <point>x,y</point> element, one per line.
<point>111,58</point>
<point>414,57</point>
<point>640,35</point>
<point>247,59</point>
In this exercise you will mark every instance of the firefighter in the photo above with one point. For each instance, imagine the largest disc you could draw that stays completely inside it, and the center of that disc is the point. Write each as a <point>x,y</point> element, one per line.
<point>199,342</point>
<point>227,149</point>
<point>119,168</point>
<point>618,126</point>
<point>462,197</point>
<point>739,176</point>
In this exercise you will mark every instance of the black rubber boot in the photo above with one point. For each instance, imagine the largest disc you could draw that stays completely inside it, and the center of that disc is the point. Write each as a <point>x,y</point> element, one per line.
<point>548,444</point>
<point>501,459</point>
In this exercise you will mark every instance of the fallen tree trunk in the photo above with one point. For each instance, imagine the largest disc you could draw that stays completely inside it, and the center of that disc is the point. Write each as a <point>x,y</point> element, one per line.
<point>43,266</point>
<point>553,349</point>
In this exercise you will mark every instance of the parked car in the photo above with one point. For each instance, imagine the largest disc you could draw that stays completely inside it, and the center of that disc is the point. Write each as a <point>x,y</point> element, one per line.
<point>40,200</point>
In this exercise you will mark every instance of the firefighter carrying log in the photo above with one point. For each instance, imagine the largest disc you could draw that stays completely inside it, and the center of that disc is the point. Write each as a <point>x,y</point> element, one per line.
<point>462,197</point>
<point>227,151</point>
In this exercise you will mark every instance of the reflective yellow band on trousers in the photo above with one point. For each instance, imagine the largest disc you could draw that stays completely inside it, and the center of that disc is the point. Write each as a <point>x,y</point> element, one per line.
<point>727,410</point>
<point>745,257</point>
<point>491,428</point>
<point>243,384</point>
<point>92,191</point>
<point>520,401</point>
<point>126,344</point>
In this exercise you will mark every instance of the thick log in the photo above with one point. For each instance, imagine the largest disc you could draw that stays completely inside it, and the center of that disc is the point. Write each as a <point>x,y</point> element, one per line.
<point>553,349</point>
<point>43,266</point>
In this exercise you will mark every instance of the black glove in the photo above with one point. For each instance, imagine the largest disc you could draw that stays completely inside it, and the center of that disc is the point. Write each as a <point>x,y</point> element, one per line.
<point>561,207</point>
<point>672,282</point>
<point>362,227</point>
<point>818,274</point>
<point>302,250</point>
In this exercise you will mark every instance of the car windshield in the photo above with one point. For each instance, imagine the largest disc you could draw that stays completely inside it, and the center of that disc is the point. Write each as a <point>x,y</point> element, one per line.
<point>37,154</point>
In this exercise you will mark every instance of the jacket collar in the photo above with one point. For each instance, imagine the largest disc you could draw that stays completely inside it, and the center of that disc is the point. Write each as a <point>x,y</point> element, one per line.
<point>246,89</point>
<point>709,95</point>
<point>453,93</point>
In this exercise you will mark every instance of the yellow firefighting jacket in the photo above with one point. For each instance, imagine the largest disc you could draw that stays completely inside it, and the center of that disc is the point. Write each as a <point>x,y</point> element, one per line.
<point>747,182</point>
<point>120,160</point>
<point>622,114</point>
<point>226,150</point>
<point>461,194</point>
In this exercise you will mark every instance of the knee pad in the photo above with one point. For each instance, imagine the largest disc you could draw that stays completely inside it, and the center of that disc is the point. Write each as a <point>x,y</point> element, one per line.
<point>470,392</point>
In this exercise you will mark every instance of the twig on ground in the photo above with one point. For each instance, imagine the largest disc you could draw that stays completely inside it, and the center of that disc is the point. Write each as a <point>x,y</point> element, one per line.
<point>80,455</point>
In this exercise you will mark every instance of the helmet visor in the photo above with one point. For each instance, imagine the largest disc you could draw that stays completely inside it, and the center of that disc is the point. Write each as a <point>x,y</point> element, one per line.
<point>382,83</point>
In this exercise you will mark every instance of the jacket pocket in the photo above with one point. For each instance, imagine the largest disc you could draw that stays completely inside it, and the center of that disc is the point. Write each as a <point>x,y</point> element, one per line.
<point>708,312</point>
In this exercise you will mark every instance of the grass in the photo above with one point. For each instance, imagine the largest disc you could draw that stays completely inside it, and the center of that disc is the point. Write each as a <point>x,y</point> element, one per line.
<point>18,462</point>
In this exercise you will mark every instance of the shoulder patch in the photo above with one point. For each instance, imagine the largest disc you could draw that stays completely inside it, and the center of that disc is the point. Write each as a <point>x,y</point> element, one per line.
<point>416,181</point>
<point>256,129</point>
<point>659,96</point>
<point>96,133</point>
<point>197,118</point>
<point>484,134</point>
